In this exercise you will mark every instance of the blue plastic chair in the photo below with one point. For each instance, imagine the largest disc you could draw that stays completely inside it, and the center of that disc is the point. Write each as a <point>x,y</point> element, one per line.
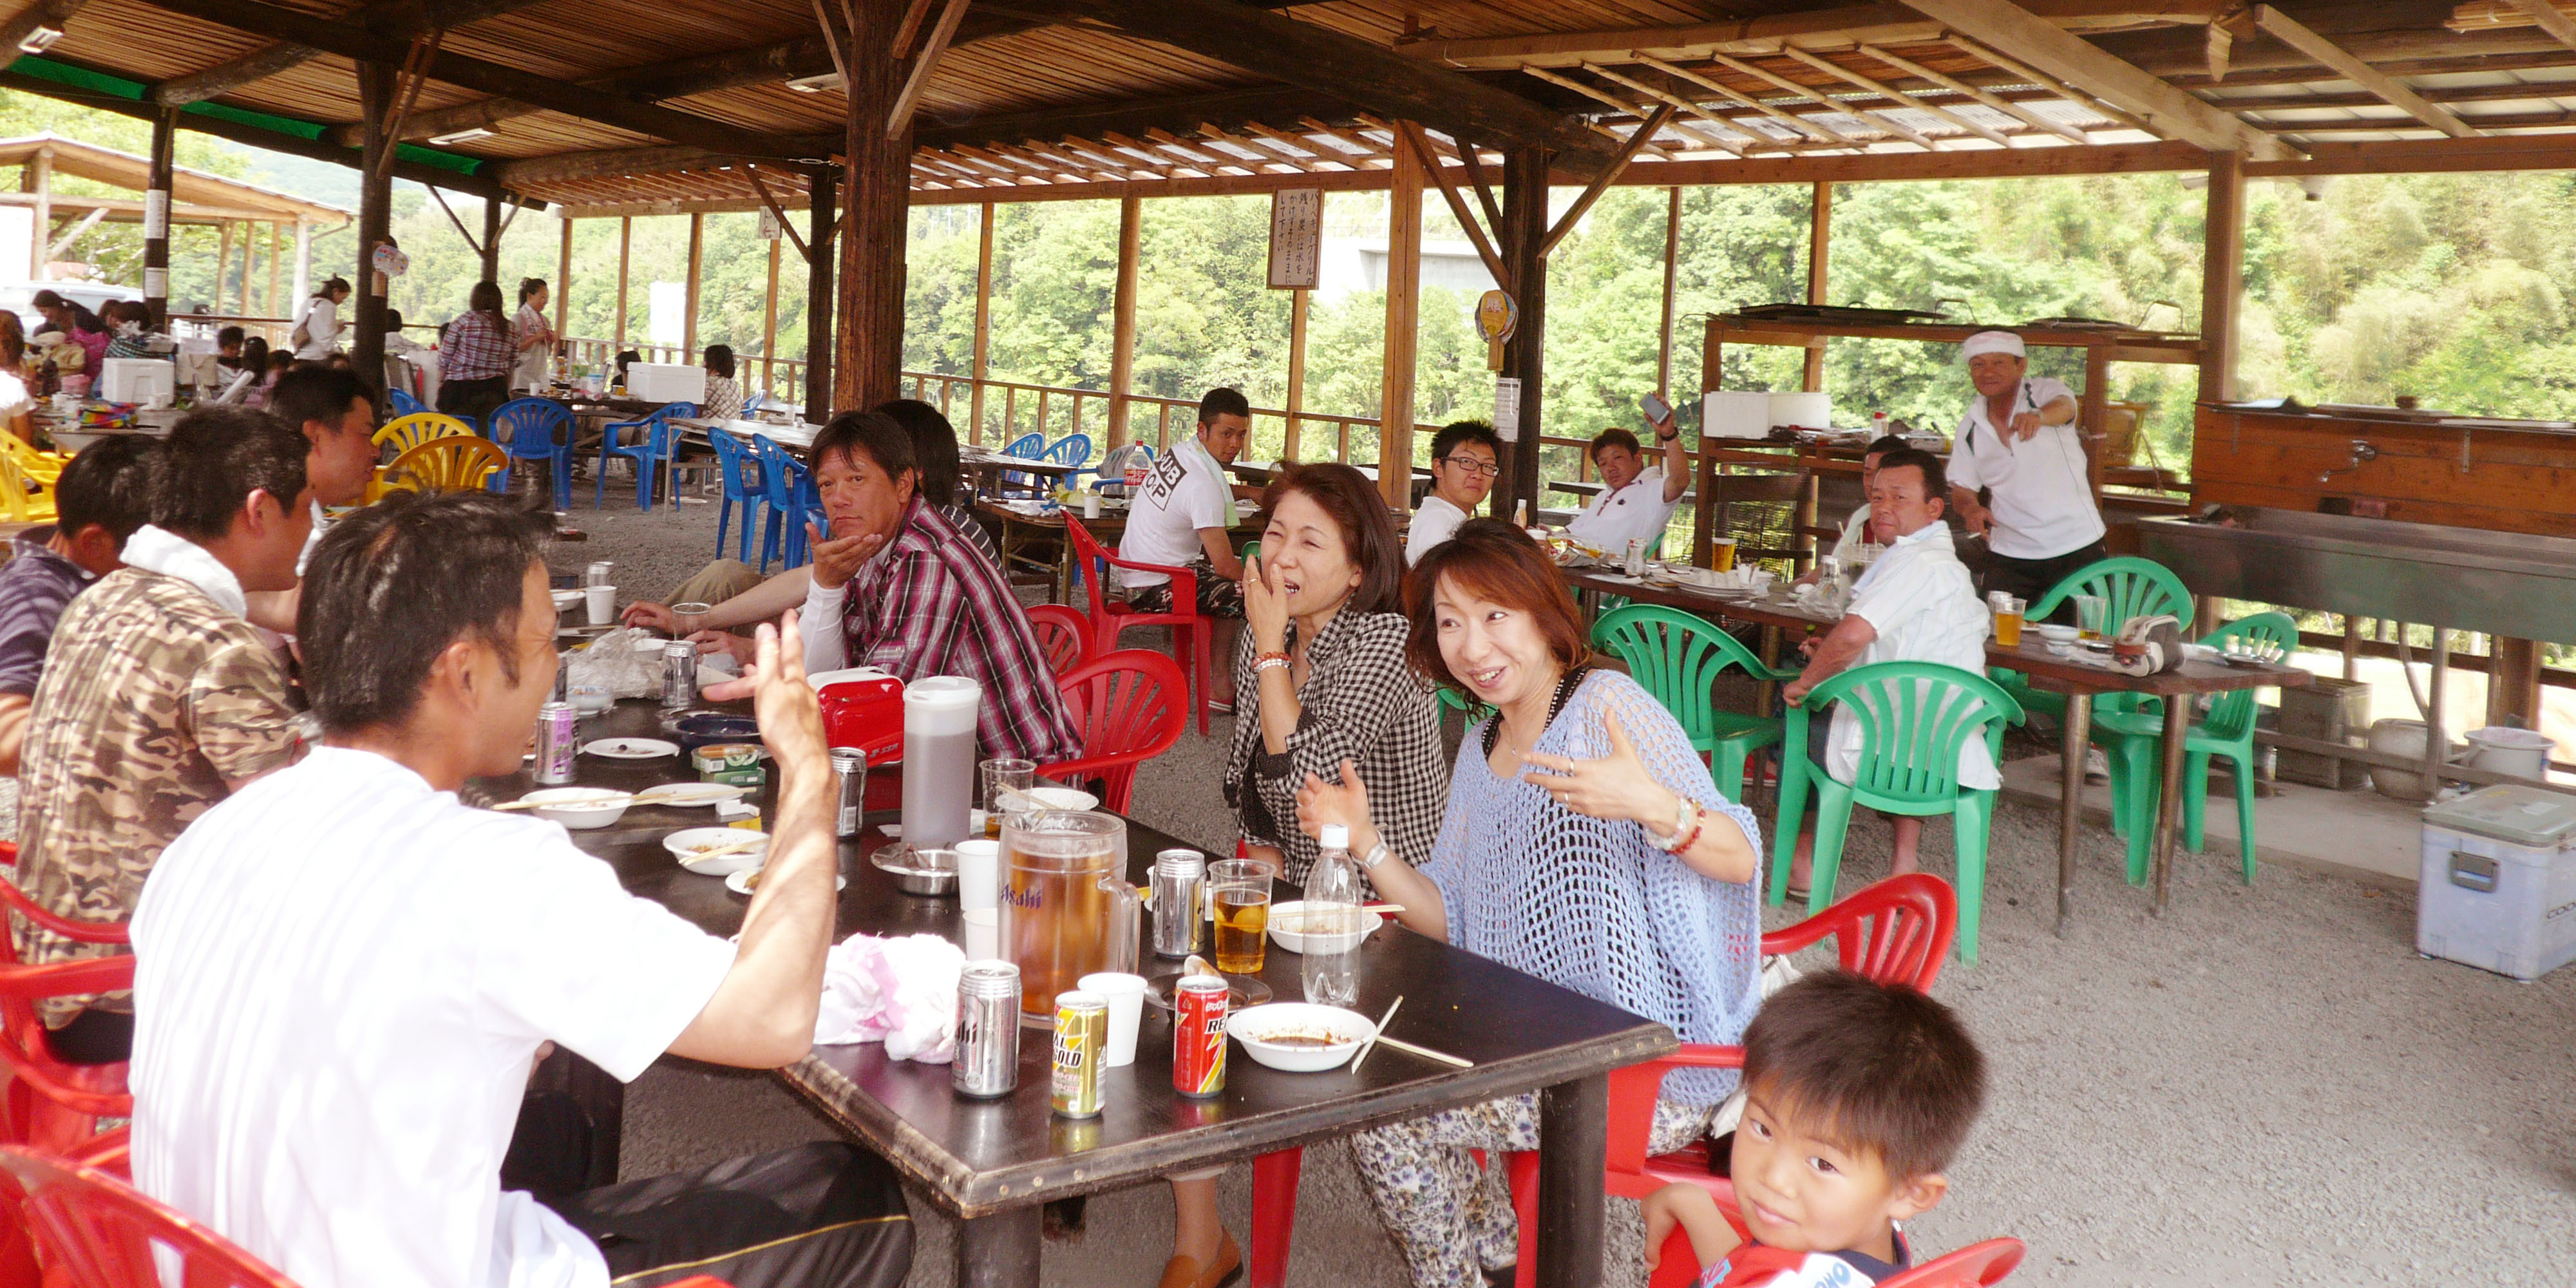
<point>660,444</point>
<point>738,469</point>
<point>1072,449</point>
<point>789,490</point>
<point>537,429</point>
<point>404,404</point>
<point>1027,447</point>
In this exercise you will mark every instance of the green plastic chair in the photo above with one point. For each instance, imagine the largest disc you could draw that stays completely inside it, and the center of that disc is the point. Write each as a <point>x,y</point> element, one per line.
<point>2132,587</point>
<point>1457,700</point>
<point>2133,743</point>
<point>1678,657</point>
<point>1914,717</point>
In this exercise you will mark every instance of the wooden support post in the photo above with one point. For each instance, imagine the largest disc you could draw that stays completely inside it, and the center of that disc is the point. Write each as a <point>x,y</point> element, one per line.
<point>1672,265</point>
<point>821,194</point>
<point>769,321</point>
<point>2222,275</point>
<point>1525,171</point>
<point>224,262</point>
<point>269,308</point>
<point>375,215</point>
<point>1122,314</point>
<point>1820,235</point>
<point>697,263</point>
<point>38,178</point>
<point>983,320</point>
<point>2093,420</point>
<point>303,266</point>
<point>1403,327</point>
<point>563,279</point>
<point>625,255</point>
<point>492,243</point>
<point>2513,682</point>
<point>156,217</point>
<point>868,351</point>
<point>1297,305</point>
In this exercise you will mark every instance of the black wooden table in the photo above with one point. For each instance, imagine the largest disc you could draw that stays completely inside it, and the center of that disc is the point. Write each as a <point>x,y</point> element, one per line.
<point>993,1162</point>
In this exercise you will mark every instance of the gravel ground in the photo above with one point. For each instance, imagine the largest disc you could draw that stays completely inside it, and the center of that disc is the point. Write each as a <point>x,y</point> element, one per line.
<point>2236,1092</point>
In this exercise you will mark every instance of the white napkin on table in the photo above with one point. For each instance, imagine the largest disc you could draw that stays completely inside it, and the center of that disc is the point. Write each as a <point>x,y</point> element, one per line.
<point>902,992</point>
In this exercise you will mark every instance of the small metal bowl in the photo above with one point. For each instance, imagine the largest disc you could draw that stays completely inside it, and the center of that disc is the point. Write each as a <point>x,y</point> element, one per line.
<point>923,872</point>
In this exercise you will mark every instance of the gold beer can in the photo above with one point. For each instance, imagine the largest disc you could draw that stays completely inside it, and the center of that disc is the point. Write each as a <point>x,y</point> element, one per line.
<point>1081,1037</point>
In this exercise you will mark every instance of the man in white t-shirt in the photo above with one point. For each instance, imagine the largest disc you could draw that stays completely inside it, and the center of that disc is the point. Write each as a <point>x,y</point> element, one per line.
<point>345,975</point>
<point>1915,604</point>
<point>1855,533</point>
<point>2019,445</point>
<point>1635,501</point>
<point>1464,456</point>
<point>1184,516</point>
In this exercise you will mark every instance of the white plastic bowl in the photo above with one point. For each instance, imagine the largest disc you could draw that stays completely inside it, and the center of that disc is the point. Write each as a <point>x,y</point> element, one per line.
<point>2056,632</point>
<point>1284,917</point>
<point>689,840</point>
<point>575,814</point>
<point>1070,798</point>
<point>1250,1025</point>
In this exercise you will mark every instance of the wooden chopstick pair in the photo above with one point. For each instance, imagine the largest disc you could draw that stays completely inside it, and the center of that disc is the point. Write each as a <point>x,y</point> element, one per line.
<point>1427,1053</point>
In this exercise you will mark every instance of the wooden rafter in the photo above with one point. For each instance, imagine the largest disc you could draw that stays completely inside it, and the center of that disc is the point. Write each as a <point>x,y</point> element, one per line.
<point>1332,156</point>
<point>1601,182</point>
<point>1368,147</point>
<point>1898,96</point>
<point>1605,97</point>
<point>1880,120</point>
<point>2037,44</point>
<point>1410,134</point>
<point>1662,95</point>
<point>2108,111</point>
<point>1800,124</point>
<point>2290,31</point>
<point>1202,157</point>
<point>1263,155</point>
<point>900,118</point>
<point>471,241</point>
<point>415,73</point>
<point>2549,18</point>
<point>776,212</point>
<point>913,14</point>
<point>1988,97</point>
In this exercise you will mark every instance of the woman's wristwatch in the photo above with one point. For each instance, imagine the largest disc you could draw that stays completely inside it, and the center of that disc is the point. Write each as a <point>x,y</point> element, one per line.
<point>1377,854</point>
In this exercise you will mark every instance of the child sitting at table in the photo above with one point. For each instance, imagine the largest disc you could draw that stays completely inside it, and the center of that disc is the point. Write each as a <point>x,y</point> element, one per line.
<point>1857,1094</point>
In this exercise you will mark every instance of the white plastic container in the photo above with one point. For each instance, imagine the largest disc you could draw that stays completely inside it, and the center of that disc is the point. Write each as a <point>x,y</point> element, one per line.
<point>2498,886</point>
<point>137,380</point>
<point>1733,414</point>
<point>2523,753</point>
<point>1803,410</point>
<point>666,382</point>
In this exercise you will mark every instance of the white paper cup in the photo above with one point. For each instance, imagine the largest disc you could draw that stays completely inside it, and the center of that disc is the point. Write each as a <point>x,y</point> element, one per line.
<point>979,875</point>
<point>1126,994</point>
<point>603,603</point>
<point>983,935</point>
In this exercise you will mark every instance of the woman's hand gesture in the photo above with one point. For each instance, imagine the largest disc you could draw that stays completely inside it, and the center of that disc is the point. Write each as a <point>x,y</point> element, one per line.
<point>1345,802</point>
<point>1616,787</point>
<point>1265,609</point>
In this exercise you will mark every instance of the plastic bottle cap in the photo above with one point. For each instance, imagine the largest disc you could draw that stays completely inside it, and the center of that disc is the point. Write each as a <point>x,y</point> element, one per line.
<point>1336,837</point>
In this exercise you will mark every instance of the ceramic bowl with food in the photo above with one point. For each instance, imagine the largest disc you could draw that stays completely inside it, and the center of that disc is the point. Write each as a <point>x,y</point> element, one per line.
<point>578,807</point>
<point>1288,928</point>
<point>689,842</point>
<point>2056,632</point>
<point>1299,1037</point>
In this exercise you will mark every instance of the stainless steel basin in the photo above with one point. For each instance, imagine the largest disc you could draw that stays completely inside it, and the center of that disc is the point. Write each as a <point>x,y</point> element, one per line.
<point>2467,579</point>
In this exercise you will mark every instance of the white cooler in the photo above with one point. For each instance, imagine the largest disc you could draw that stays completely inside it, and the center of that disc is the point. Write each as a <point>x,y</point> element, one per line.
<point>2498,889</point>
<point>137,380</point>
<point>666,382</point>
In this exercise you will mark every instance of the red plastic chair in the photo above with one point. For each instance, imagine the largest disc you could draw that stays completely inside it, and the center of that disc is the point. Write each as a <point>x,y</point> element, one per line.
<point>1064,635</point>
<point>1111,617</point>
<point>1128,704</point>
<point>1897,931</point>
<point>53,1105</point>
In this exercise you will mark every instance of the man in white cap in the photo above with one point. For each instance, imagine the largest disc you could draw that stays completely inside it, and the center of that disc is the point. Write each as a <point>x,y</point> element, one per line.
<point>2018,445</point>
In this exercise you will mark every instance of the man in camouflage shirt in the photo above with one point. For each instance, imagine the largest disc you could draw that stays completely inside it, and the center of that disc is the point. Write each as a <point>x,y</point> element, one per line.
<point>158,699</point>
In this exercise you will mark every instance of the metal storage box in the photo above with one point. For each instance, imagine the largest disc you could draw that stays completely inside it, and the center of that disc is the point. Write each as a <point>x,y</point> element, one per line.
<point>2498,886</point>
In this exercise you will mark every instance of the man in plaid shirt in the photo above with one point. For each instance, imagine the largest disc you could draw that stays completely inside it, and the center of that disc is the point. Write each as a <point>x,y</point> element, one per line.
<point>896,585</point>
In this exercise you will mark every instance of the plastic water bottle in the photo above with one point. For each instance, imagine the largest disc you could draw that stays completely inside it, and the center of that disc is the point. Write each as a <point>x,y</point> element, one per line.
<point>1332,923</point>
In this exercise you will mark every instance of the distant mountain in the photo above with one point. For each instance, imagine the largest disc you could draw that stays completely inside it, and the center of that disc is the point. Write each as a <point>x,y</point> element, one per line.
<point>314,180</point>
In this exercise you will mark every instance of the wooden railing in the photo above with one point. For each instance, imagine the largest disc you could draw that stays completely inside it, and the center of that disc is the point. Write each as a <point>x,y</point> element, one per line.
<point>1012,409</point>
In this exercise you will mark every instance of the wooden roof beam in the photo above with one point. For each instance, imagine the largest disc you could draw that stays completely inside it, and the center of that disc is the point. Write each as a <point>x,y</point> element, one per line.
<point>1684,103</point>
<point>1282,138</point>
<point>56,14</point>
<point>608,163</point>
<point>1136,116</point>
<point>2050,83</point>
<point>1750,103</point>
<point>1908,67</point>
<point>1637,110</point>
<point>1895,95</point>
<point>2291,32</point>
<point>1204,159</point>
<point>2035,43</point>
<point>403,18</point>
<point>1362,72</point>
<point>352,40</point>
<point>1893,127</point>
<point>2549,18</point>
<point>1368,147</point>
<point>1269,154</point>
<point>1839,28</point>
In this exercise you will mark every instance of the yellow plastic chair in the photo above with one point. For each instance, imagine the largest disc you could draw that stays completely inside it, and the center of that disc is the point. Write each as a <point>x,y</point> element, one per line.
<point>448,463</point>
<point>23,498</point>
<point>407,432</point>
<point>44,467</point>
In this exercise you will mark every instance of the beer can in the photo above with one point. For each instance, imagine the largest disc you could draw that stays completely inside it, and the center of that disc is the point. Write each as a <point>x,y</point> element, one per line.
<point>679,675</point>
<point>556,742</point>
<point>850,776</point>
<point>988,1029</point>
<point>598,574</point>
<point>1180,882</point>
<point>1198,1035</point>
<point>1081,1034</point>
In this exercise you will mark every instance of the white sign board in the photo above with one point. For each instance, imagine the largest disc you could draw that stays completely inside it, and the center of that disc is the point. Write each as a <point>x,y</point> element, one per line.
<point>769,230</point>
<point>156,214</point>
<point>1507,408</point>
<point>1296,238</point>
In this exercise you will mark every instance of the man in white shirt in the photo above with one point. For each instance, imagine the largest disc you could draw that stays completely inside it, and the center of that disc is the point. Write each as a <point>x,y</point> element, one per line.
<point>1184,517</point>
<point>1855,533</point>
<point>345,974</point>
<point>1635,501</point>
<point>1463,463</point>
<point>2019,445</point>
<point>1915,604</point>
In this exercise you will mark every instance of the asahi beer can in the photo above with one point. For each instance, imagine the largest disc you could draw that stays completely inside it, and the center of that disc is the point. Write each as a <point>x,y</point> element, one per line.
<point>1198,1035</point>
<point>556,742</point>
<point>597,574</point>
<point>1180,883</point>
<point>850,776</point>
<point>679,675</point>
<point>1081,1032</point>
<point>988,1030</point>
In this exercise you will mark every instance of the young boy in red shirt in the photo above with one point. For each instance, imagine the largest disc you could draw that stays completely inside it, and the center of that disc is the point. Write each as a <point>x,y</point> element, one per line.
<point>1857,1094</point>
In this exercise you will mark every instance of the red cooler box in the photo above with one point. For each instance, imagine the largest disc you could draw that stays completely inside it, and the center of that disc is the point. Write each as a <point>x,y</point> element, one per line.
<point>863,708</point>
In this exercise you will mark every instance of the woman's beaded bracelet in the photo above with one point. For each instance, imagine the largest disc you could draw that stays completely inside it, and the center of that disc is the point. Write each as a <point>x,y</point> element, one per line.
<point>1267,661</point>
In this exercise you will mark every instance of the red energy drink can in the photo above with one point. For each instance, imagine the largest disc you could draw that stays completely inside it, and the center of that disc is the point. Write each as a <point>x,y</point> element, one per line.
<point>1198,1035</point>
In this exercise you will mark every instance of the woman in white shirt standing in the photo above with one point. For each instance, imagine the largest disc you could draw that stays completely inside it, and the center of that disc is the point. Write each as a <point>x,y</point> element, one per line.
<point>536,336</point>
<point>1636,501</point>
<point>317,332</point>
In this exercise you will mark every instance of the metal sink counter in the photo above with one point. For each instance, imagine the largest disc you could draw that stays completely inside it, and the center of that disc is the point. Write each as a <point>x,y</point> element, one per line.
<point>2470,579</point>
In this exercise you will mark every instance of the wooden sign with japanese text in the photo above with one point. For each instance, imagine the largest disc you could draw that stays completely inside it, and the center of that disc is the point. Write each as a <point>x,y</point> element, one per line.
<point>1296,238</point>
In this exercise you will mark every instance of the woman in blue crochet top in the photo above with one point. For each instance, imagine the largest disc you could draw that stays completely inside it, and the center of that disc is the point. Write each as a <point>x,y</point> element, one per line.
<point>1584,843</point>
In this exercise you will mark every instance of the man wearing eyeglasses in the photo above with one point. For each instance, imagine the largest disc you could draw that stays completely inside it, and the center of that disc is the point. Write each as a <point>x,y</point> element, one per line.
<point>1463,465</point>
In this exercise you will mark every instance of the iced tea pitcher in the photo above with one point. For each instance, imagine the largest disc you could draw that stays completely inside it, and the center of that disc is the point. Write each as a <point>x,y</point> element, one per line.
<point>1066,908</point>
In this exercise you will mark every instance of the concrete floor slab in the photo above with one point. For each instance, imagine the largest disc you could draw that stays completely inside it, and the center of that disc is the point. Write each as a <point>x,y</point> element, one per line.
<point>2362,835</point>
